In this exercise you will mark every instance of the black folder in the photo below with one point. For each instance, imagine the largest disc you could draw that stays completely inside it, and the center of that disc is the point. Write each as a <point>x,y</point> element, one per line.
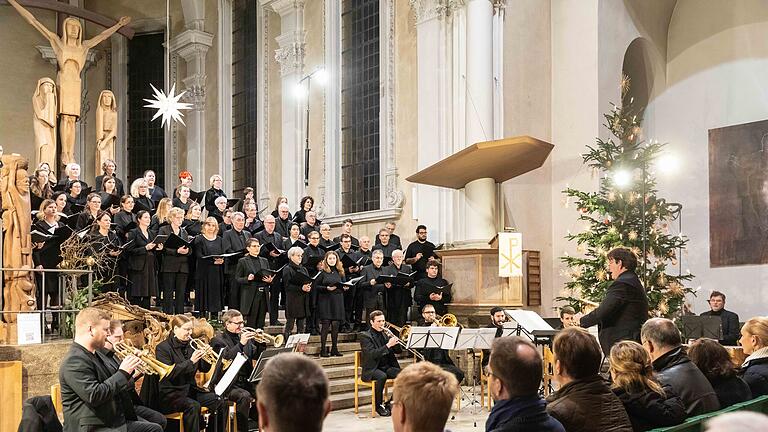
<point>174,242</point>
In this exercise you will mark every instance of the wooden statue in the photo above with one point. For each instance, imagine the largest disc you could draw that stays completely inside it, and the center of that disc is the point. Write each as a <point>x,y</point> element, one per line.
<point>44,106</point>
<point>106,128</point>
<point>18,286</point>
<point>71,51</point>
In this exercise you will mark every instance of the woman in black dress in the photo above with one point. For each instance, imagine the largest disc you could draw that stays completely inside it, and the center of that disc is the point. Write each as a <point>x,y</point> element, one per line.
<point>142,276</point>
<point>62,205</point>
<point>87,217</point>
<point>192,222</point>
<point>47,255</point>
<point>140,194</point>
<point>101,238</point>
<point>296,293</point>
<point>175,266</point>
<point>74,193</point>
<point>125,217</point>
<point>330,301</point>
<point>213,193</point>
<point>209,273</point>
<point>305,205</point>
<point>109,192</point>
<point>253,289</point>
<point>178,392</point>
<point>182,199</point>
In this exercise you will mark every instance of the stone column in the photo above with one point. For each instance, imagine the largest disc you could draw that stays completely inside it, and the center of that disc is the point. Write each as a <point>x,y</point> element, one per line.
<point>480,204</point>
<point>192,45</point>
<point>290,56</point>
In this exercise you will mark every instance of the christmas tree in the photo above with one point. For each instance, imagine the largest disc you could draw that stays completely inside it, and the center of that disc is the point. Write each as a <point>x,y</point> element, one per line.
<point>626,212</point>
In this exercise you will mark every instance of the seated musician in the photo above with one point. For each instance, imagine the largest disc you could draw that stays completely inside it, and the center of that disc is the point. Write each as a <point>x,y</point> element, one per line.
<point>730,320</point>
<point>378,358</point>
<point>89,390</point>
<point>178,392</point>
<point>433,290</point>
<point>498,317</point>
<point>234,340</point>
<point>129,399</point>
<point>438,356</point>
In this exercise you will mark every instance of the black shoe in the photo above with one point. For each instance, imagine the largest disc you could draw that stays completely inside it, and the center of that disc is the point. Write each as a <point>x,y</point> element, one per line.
<point>336,353</point>
<point>388,405</point>
<point>383,411</point>
<point>324,353</point>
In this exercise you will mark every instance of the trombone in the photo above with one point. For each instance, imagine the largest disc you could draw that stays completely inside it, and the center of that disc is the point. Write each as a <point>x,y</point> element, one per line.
<point>261,337</point>
<point>447,320</point>
<point>149,364</point>
<point>209,355</point>
<point>404,331</point>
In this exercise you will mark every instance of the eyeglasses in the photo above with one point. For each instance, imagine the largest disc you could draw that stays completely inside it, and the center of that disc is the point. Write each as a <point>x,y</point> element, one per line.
<point>237,323</point>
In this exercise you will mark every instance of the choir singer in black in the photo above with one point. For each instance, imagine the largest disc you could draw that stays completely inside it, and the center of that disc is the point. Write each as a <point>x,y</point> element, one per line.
<point>433,290</point>
<point>253,277</point>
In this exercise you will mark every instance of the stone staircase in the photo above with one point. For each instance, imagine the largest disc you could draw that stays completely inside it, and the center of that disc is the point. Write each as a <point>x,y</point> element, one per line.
<point>340,370</point>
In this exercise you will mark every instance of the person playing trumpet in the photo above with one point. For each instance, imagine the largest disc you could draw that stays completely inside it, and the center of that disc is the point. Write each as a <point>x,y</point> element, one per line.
<point>438,356</point>
<point>236,339</point>
<point>178,392</point>
<point>379,346</point>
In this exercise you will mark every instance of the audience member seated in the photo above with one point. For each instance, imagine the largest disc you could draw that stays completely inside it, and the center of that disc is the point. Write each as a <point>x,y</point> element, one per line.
<point>730,321</point>
<point>674,369</point>
<point>754,339</point>
<point>739,421</point>
<point>293,395</point>
<point>715,363</point>
<point>646,403</point>
<point>514,376</point>
<point>567,318</point>
<point>584,402</point>
<point>410,411</point>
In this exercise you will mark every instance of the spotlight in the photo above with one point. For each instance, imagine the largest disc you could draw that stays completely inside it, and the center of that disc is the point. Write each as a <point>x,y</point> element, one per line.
<point>622,178</point>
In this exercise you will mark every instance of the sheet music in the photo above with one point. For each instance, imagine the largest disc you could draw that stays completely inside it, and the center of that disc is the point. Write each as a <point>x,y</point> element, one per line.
<point>230,375</point>
<point>433,337</point>
<point>479,338</point>
<point>296,339</point>
<point>529,320</point>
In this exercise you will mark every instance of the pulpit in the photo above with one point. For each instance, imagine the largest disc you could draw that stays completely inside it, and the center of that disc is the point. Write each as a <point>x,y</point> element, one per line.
<point>472,264</point>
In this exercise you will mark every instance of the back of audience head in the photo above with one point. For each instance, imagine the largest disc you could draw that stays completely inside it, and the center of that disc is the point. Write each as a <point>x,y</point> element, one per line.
<point>631,370</point>
<point>515,368</point>
<point>754,334</point>
<point>577,355</point>
<point>711,358</point>
<point>422,398</point>
<point>659,336</point>
<point>293,395</point>
<point>740,421</point>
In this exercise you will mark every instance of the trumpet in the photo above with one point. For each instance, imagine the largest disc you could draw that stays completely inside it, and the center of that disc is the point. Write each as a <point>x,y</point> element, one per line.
<point>209,355</point>
<point>261,337</point>
<point>149,364</point>
<point>447,320</point>
<point>400,340</point>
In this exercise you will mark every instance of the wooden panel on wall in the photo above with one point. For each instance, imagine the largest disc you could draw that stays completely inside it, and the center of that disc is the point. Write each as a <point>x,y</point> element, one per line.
<point>10,396</point>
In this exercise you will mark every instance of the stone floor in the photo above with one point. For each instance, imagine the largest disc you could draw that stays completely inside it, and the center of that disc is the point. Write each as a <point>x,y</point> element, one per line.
<point>468,419</point>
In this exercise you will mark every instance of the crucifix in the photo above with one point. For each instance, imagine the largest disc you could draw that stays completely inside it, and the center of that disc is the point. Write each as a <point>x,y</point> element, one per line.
<point>71,51</point>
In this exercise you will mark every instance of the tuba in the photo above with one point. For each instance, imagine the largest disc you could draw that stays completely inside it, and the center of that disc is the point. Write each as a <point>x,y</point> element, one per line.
<point>209,355</point>
<point>447,320</point>
<point>149,364</point>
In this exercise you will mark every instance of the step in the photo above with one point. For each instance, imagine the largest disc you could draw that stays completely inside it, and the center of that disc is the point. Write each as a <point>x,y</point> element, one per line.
<point>345,385</point>
<point>339,372</point>
<point>347,400</point>
<point>344,347</point>
<point>346,359</point>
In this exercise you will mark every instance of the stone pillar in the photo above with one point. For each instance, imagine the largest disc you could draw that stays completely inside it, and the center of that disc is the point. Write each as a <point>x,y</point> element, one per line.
<point>290,56</point>
<point>192,45</point>
<point>479,217</point>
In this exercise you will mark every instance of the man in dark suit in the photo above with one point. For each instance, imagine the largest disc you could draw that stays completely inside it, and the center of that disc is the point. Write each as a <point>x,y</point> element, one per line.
<point>269,235</point>
<point>730,320</point>
<point>234,241</point>
<point>89,392</point>
<point>378,358</point>
<point>624,309</point>
<point>129,399</point>
<point>233,340</point>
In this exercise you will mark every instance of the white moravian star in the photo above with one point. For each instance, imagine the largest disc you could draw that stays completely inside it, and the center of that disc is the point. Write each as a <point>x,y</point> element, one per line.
<point>168,105</point>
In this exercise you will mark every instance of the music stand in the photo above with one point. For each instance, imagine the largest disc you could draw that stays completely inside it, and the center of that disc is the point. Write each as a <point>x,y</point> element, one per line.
<point>433,337</point>
<point>695,327</point>
<point>297,341</point>
<point>479,338</point>
<point>532,325</point>
<point>261,363</point>
<point>509,329</point>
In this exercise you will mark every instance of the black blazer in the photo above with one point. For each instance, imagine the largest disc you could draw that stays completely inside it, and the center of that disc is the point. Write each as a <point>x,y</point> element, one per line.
<point>137,252</point>
<point>84,219</point>
<point>122,219</point>
<point>231,344</point>
<point>730,324</point>
<point>118,185</point>
<point>375,353</point>
<point>89,392</point>
<point>173,262</point>
<point>50,254</point>
<point>177,385</point>
<point>234,242</point>
<point>249,289</point>
<point>296,299</point>
<point>621,313</point>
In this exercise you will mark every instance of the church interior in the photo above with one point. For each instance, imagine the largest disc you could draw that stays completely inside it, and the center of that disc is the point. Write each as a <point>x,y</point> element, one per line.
<point>245,168</point>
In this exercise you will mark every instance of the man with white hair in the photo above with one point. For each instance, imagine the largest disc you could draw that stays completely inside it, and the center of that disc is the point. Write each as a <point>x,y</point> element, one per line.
<point>269,235</point>
<point>234,241</point>
<point>283,222</point>
<point>399,295</point>
<point>374,292</point>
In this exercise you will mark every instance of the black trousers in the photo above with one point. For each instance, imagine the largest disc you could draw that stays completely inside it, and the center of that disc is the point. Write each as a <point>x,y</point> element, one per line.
<point>255,313</point>
<point>191,409</point>
<point>142,426</point>
<point>349,306</point>
<point>233,298</point>
<point>289,326</point>
<point>150,415</point>
<point>243,398</point>
<point>276,296</point>
<point>380,376</point>
<point>325,325</point>
<point>174,291</point>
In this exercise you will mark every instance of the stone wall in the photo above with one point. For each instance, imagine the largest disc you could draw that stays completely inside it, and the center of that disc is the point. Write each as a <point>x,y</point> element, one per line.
<point>40,365</point>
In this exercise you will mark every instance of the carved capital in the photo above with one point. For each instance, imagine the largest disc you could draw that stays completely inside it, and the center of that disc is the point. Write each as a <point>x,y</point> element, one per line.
<point>394,196</point>
<point>194,86</point>
<point>426,10</point>
<point>291,58</point>
<point>284,7</point>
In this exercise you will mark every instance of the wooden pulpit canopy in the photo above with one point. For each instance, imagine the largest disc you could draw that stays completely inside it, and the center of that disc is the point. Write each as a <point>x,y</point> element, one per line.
<point>500,159</point>
<point>65,8</point>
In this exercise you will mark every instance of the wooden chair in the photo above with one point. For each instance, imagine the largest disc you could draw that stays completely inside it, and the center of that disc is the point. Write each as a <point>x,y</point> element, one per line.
<point>56,398</point>
<point>359,382</point>
<point>179,417</point>
<point>231,416</point>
